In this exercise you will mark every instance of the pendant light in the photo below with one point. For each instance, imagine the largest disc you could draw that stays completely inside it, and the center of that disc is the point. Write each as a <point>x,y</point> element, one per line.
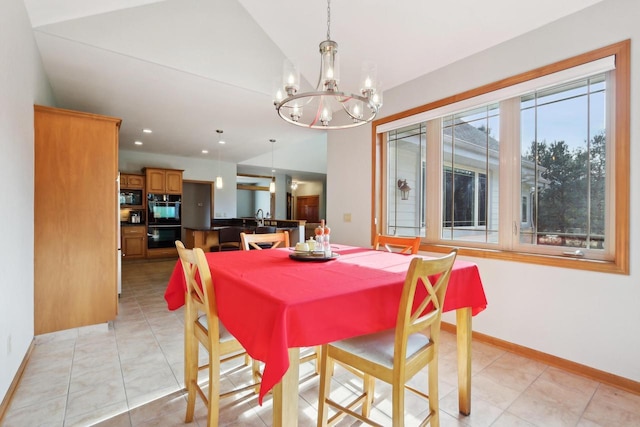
<point>219,177</point>
<point>272,184</point>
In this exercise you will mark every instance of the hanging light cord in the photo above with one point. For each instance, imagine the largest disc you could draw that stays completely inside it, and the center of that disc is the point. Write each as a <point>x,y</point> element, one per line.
<point>328,19</point>
<point>272,141</point>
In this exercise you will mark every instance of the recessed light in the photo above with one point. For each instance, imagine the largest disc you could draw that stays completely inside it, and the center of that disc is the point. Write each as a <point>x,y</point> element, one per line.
<point>205,151</point>
<point>147,130</point>
<point>138,142</point>
<point>222,141</point>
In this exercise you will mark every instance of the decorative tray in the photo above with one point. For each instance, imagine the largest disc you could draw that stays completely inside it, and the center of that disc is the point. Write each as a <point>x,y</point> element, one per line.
<point>312,256</point>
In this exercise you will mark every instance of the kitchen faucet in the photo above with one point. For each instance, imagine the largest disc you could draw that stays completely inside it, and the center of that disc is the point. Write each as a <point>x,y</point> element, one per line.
<point>260,217</point>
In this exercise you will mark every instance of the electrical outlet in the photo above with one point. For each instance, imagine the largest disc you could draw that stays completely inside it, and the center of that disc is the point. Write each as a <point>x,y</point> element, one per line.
<point>346,217</point>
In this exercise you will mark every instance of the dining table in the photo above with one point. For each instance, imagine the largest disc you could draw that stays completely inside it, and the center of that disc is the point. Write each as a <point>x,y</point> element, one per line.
<point>275,302</point>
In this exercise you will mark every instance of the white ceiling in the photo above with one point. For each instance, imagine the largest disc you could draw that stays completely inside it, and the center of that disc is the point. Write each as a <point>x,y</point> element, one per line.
<point>185,68</point>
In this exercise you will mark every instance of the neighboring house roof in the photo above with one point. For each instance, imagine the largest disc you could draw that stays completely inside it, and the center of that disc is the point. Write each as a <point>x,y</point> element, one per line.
<point>464,132</point>
<point>471,142</point>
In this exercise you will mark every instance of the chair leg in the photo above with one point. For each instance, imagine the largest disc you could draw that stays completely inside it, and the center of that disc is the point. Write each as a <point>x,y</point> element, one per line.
<point>368,386</point>
<point>214,390</point>
<point>257,377</point>
<point>318,350</point>
<point>191,375</point>
<point>325,387</point>
<point>434,406</point>
<point>186,349</point>
<point>397,410</point>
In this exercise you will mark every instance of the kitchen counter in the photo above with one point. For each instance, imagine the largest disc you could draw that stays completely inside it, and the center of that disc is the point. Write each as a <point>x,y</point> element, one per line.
<point>252,222</point>
<point>205,238</point>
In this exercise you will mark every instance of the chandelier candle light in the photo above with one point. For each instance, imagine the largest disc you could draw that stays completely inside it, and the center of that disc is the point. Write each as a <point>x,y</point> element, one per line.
<point>327,107</point>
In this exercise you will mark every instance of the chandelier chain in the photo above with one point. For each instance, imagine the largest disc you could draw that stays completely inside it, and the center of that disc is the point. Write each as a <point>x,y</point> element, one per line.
<point>328,19</point>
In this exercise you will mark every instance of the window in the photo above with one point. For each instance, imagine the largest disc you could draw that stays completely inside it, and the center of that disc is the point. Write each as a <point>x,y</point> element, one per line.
<point>533,168</point>
<point>564,139</point>
<point>406,151</point>
<point>470,154</point>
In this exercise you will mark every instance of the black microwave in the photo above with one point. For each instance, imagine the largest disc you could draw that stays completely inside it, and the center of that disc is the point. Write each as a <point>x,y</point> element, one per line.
<point>164,209</point>
<point>131,198</point>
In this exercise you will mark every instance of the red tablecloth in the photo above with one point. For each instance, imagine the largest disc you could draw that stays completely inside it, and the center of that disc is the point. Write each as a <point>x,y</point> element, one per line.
<point>270,302</point>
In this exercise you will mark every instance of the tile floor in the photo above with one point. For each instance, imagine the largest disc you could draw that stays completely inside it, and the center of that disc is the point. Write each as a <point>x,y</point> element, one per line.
<point>130,373</point>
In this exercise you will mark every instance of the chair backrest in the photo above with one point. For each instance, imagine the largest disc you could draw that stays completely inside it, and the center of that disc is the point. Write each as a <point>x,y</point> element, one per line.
<point>229,234</point>
<point>404,245</point>
<point>422,300</point>
<point>279,239</point>
<point>265,229</point>
<point>199,297</point>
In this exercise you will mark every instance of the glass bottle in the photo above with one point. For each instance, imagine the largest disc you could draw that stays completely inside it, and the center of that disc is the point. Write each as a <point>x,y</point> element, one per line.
<point>327,242</point>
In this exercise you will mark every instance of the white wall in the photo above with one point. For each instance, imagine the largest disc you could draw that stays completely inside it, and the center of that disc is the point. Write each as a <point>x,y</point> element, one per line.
<point>22,84</point>
<point>349,185</point>
<point>589,318</point>
<point>246,204</point>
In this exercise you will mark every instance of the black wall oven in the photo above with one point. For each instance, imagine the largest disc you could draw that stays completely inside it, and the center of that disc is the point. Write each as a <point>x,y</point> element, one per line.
<point>163,236</point>
<point>164,209</point>
<point>164,220</point>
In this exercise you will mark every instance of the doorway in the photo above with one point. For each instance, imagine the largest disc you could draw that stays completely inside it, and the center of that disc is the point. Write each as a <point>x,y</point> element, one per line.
<point>308,207</point>
<point>196,205</point>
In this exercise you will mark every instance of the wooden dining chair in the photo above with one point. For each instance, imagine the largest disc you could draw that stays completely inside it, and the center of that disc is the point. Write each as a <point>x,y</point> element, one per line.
<point>403,245</point>
<point>257,241</point>
<point>202,326</point>
<point>395,355</point>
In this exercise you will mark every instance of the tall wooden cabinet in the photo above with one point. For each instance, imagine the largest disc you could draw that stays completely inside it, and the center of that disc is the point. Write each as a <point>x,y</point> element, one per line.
<point>76,214</point>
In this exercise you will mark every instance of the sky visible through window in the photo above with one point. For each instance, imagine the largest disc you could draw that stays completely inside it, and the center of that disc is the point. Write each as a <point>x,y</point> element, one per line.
<point>563,114</point>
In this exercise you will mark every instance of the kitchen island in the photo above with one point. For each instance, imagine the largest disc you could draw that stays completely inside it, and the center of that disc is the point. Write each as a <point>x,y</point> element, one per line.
<point>205,238</point>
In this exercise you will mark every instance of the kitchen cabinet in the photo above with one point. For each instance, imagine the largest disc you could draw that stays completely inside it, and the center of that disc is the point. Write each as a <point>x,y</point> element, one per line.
<point>75,219</point>
<point>131,182</point>
<point>163,181</point>
<point>162,253</point>
<point>133,199</point>
<point>134,242</point>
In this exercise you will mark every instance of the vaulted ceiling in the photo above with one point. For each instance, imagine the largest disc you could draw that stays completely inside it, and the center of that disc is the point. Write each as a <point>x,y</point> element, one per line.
<point>185,68</point>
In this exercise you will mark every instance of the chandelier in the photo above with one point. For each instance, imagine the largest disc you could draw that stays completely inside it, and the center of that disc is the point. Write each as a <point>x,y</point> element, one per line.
<point>327,107</point>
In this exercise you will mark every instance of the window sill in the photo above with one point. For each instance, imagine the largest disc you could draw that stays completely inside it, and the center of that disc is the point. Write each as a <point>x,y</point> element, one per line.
<point>614,267</point>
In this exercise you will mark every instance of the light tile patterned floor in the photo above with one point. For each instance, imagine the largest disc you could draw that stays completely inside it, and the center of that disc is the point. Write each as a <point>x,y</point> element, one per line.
<point>130,374</point>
